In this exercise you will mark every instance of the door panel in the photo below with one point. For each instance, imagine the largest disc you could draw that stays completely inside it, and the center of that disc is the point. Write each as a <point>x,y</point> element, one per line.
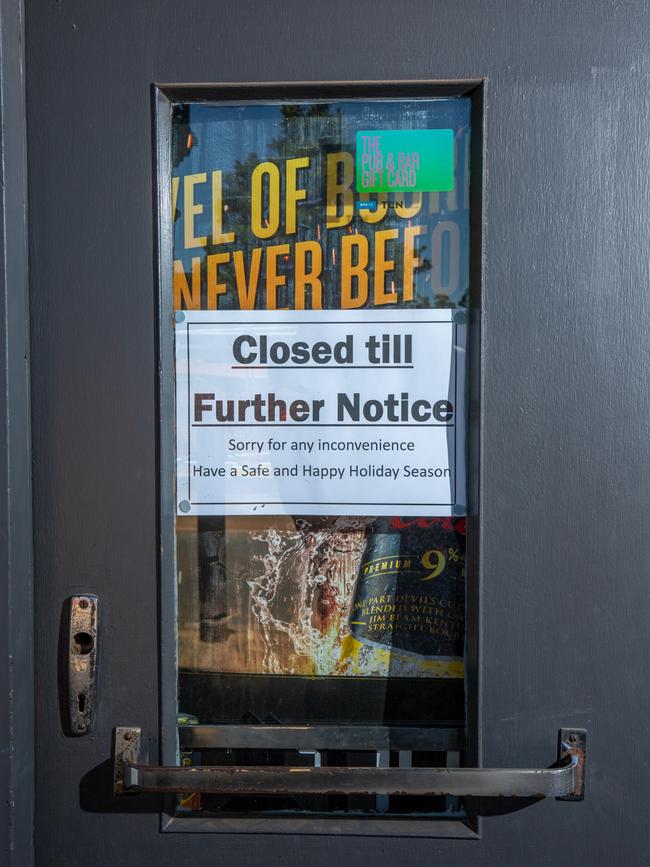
<point>563,453</point>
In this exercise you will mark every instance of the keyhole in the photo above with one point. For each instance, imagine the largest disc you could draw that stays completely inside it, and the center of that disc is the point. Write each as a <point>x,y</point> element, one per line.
<point>81,702</point>
<point>83,642</point>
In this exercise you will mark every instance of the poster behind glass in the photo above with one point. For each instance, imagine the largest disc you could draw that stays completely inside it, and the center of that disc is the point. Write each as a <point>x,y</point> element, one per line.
<point>268,216</point>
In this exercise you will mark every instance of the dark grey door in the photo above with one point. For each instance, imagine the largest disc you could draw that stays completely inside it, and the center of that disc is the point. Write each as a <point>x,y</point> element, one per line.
<point>560,627</point>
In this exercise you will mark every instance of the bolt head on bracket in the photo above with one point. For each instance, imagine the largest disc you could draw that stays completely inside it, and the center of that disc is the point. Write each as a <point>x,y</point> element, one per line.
<point>573,742</point>
<point>126,747</point>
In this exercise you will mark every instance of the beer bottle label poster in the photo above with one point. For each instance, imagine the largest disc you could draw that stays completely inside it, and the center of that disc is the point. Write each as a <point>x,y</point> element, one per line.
<point>322,413</point>
<point>320,309</point>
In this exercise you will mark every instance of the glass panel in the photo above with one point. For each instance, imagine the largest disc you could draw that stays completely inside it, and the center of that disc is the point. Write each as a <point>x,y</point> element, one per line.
<point>321,275</point>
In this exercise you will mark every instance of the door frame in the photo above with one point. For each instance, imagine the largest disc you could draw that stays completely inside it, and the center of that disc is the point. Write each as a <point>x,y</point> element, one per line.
<point>163,96</point>
<point>16,613</point>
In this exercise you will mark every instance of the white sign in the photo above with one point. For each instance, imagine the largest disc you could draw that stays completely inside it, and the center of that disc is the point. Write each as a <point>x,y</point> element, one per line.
<point>357,412</point>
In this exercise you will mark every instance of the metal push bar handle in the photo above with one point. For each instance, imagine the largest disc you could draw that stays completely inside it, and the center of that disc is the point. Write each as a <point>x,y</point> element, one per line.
<point>563,780</point>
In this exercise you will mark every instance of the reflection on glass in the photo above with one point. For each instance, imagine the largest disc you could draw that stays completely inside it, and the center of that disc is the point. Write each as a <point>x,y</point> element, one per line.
<point>307,618</point>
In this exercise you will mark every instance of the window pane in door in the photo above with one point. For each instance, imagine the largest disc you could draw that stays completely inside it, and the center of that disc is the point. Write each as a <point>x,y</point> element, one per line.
<point>302,233</point>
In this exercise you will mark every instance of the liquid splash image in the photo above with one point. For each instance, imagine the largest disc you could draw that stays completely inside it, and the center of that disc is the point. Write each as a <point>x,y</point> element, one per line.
<point>303,592</point>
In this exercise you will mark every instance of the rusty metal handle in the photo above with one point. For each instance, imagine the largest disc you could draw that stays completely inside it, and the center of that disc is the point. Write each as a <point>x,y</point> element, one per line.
<point>563,780</point>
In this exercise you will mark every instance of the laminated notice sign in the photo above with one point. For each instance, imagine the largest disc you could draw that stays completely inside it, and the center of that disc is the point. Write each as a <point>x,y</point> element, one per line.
<point>320,412</point>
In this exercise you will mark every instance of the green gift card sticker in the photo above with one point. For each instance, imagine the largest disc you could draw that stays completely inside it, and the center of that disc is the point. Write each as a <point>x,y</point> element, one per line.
<point>405,160</point>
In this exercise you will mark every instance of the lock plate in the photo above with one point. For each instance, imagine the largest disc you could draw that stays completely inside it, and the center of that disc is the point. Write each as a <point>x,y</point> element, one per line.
<point>82,663</point>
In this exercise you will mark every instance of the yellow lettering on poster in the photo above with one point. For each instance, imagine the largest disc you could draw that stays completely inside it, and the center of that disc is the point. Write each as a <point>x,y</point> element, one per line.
<point>184,297</point>
<point>408,211</point>
<point>218,235</point>
<point>311,277</point>
<point>380,211</point>
<point>383,266</point>
<point>213,286</point>
<point>293,194</point>
<point>265,174</point>
<point>247,288</point>
<point>354,246</point>
<point>175,185</point>
<point>339,191</point>
<point>411,261</point>
<point>191,210</point>
<point>273,279</point>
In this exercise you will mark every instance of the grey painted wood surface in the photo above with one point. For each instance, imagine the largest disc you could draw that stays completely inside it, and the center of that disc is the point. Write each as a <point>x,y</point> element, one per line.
<point>564,447</point>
